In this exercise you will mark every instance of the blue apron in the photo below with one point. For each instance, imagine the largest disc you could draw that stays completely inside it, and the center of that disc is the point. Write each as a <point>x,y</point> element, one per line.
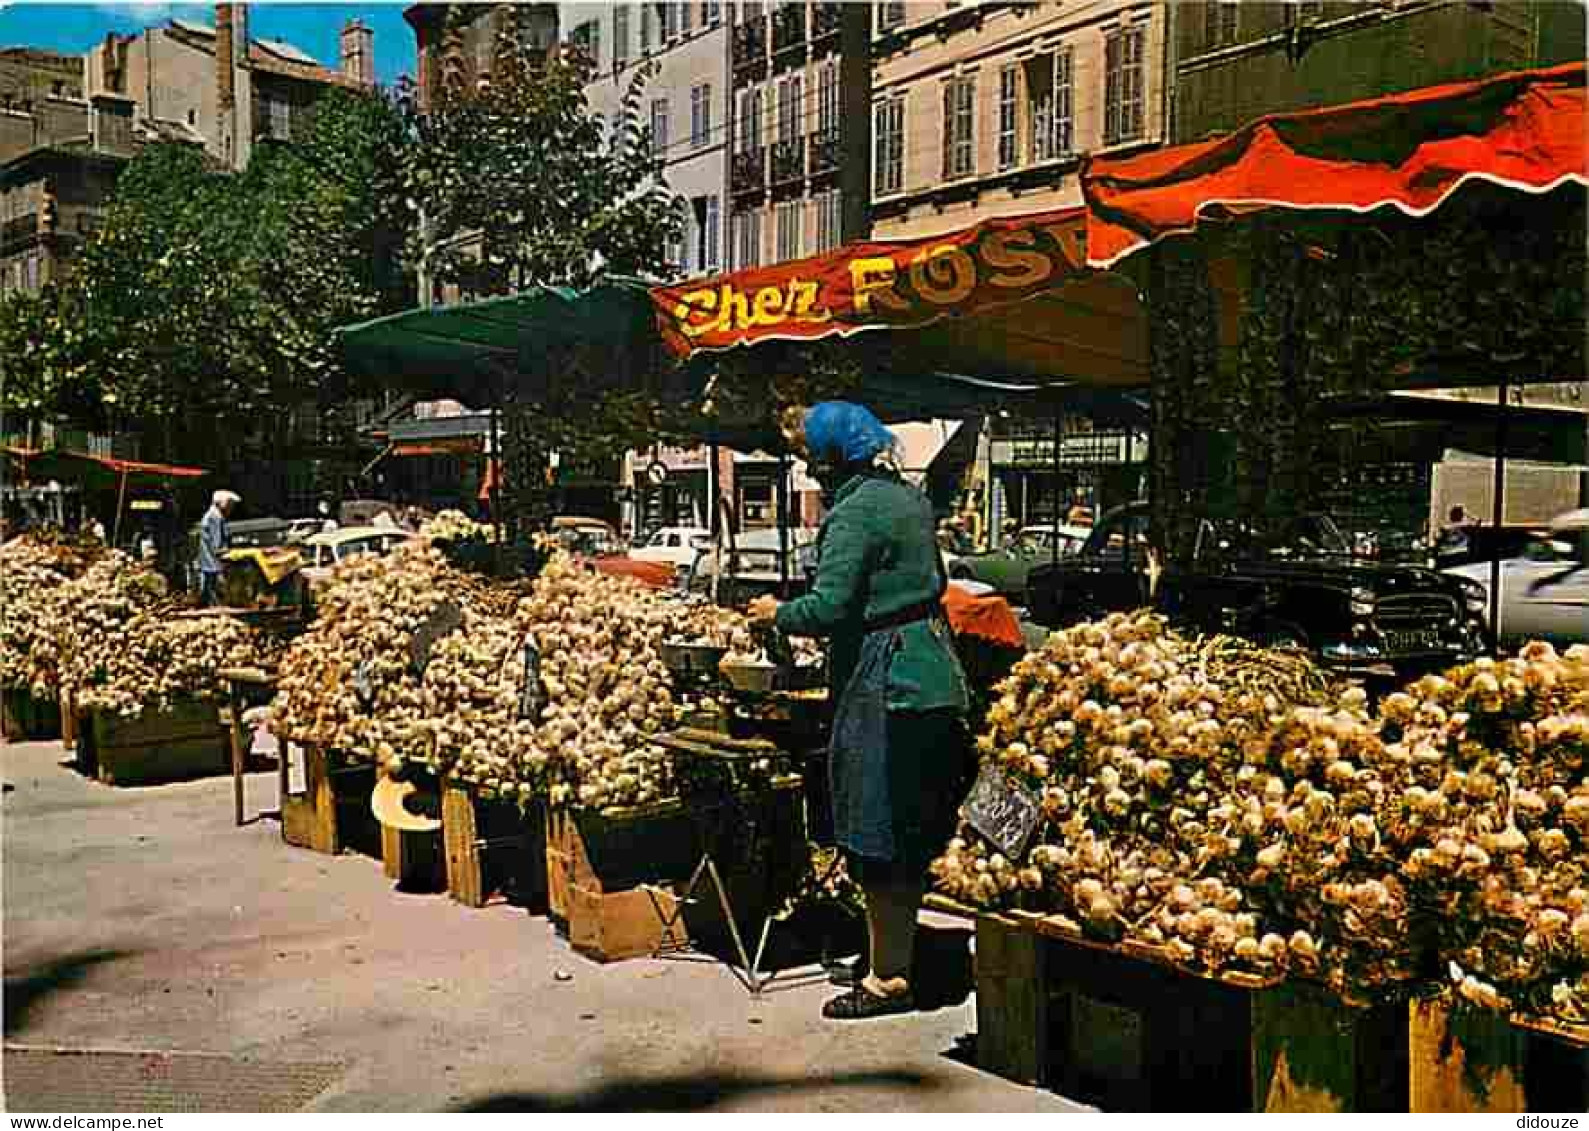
<point>886,802</point>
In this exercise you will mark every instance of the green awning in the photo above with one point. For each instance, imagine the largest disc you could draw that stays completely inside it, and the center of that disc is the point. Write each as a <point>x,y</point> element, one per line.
<point>465,352</point>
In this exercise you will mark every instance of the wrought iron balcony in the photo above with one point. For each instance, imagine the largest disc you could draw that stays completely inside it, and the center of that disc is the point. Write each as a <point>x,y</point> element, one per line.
<point>824,146</point>
<point>788,28</point>
<point>826,19</point>
<point>748,174</point>
<point>788,160</point>
<point>750,45</point>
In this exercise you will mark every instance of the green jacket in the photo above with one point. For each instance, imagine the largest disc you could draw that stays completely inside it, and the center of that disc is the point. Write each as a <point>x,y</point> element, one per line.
<point>877,556</point>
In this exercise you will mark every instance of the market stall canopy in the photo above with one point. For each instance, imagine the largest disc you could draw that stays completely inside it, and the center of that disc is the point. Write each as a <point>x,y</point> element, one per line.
<point>1008,299</point>
<point>95,471</point>
<point>462,352</point>
<point>1411,151</point>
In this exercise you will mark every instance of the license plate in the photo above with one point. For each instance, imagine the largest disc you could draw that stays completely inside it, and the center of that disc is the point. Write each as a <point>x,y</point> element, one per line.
<point>1413,640</point>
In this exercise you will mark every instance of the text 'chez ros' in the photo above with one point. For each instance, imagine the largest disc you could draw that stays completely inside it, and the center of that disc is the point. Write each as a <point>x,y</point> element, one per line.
<point>994,268</point>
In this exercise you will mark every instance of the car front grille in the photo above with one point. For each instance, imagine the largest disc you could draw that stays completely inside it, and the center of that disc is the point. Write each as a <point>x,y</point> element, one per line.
<point>1414,610</point>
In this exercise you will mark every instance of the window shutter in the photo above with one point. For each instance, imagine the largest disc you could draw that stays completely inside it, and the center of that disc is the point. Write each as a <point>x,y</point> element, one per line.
<point>948,129</point>
<point>1111,92</point>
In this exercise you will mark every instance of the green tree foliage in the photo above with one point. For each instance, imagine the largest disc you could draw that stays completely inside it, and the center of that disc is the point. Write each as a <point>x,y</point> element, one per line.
<point>209,298</point>
<point>517,183</point>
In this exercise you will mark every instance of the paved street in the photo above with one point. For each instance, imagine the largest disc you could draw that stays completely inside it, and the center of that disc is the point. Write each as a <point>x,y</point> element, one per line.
<point>142,919</point>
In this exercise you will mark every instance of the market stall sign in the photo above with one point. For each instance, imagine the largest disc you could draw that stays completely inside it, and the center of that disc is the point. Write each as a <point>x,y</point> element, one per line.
<point>444,618</point>
<point>1003,810</point>
<point>530,687</point>
<point>869,285</point>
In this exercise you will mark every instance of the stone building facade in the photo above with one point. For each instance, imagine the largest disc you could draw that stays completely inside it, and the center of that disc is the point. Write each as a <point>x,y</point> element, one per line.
<point>987,110</point>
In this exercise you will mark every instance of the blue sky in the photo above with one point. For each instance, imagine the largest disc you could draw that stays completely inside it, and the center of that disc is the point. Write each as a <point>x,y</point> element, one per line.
<point>313,27</point>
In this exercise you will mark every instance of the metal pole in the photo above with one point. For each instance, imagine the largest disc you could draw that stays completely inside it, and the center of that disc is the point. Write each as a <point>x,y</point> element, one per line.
<point>494,482</point>
<point>783,526</point>
<point>714,520</point>
<point>121,501</point>
<point>1053,543</point>
<point>1499,515</point>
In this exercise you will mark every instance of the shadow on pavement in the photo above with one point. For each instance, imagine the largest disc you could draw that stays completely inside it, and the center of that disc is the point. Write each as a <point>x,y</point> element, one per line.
<point>687,1093</point>
<point>24,991</point>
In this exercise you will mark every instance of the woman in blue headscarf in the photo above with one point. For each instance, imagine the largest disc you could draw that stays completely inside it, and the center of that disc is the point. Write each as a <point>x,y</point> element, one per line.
<point>899,755</point>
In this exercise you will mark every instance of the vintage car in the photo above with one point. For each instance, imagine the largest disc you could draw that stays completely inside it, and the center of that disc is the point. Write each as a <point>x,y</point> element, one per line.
<point>1297,585</point>
<point>1545,588</point>
<point>1005,569</point>
<point>323,552</point>
<point>673,545</point>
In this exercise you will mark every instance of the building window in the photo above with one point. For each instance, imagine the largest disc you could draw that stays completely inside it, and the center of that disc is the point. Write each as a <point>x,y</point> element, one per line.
<point>686,17</point>
<point>750,111</point>
<point>791,93</point>
<point>620,36</point>
<point>710,220</point>
<point>959,115</point>
<point>747,239</point>
<point>888,133</point>
<point>700,115</point>
<point>670,21</point>
<point>1219,22</point>
<point>647,20</point>
<point>711,13</point>
<point>1124,75</point>
<point>789,230</point>
<point>1051,100</point>
<point>890,14</point>
<point>31,282</point>
<point>1007,95</point>
<point>828,99</point>
<point>750,11</point>
<point>279,119</point>
<point>830,221</point>
<point>659,128</point>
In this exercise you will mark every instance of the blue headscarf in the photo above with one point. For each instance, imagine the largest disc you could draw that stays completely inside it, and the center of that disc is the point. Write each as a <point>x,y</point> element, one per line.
<point>841,432</point>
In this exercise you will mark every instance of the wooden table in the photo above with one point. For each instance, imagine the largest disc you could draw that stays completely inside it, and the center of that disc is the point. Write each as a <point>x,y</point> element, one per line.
<point>245,686</point>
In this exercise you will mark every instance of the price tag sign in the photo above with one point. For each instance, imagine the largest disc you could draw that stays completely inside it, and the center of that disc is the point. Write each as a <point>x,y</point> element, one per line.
<point>446,618</point>
<point>364,682</point>
<point>530,688</point>
<point>1003,810</point>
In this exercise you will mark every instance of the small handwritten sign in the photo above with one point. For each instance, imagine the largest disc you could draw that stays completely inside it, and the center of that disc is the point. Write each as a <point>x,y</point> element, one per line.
<point>446,617</point>
<point>1003,810</point>
<point>530,688</point>
<point>364,682</point>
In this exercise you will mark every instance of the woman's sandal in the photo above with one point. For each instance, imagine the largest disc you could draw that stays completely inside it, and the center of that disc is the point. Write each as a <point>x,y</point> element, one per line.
<point>860,1003</point>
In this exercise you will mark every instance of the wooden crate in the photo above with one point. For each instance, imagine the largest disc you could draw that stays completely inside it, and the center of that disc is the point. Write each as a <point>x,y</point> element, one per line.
<point>332,813</point>
<point>610,926</point>
<point>1120,1027</point>
<point>494,850</point>
<point>1467,1060</point>
<point>416,861</point>
<point>596,866</point>
<point>26,718</point>
<point>187,741</point>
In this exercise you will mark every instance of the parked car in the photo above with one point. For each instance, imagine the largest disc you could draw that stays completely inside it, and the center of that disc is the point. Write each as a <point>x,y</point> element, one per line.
<point>1485,543</point>
<point>1005,569</point>
<point>750,566</point>
<point>323,552</point>
<point>1299,584</point>
<point>588,537</point>
<point>1545,588</point>
<point>673,545</point>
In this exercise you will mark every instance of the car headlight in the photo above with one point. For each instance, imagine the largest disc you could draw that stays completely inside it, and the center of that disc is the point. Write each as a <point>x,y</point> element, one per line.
<point>1362,602</point>
<point>1474,595</point>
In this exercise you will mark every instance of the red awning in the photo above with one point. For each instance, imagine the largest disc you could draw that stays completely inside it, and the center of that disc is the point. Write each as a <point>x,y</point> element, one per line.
<point>134,467</point>
<point>1409,151</point>
<point>61,461</point>
<point>898,284</point>
<point>420,450</point>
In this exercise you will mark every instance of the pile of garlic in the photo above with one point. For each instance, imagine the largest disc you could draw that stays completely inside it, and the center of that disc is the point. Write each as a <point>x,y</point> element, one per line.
<point>1188,806</point>
<point>455,526</point>
<point>1494,828</point>
<point>34,572</point>
<point>121,648</point>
